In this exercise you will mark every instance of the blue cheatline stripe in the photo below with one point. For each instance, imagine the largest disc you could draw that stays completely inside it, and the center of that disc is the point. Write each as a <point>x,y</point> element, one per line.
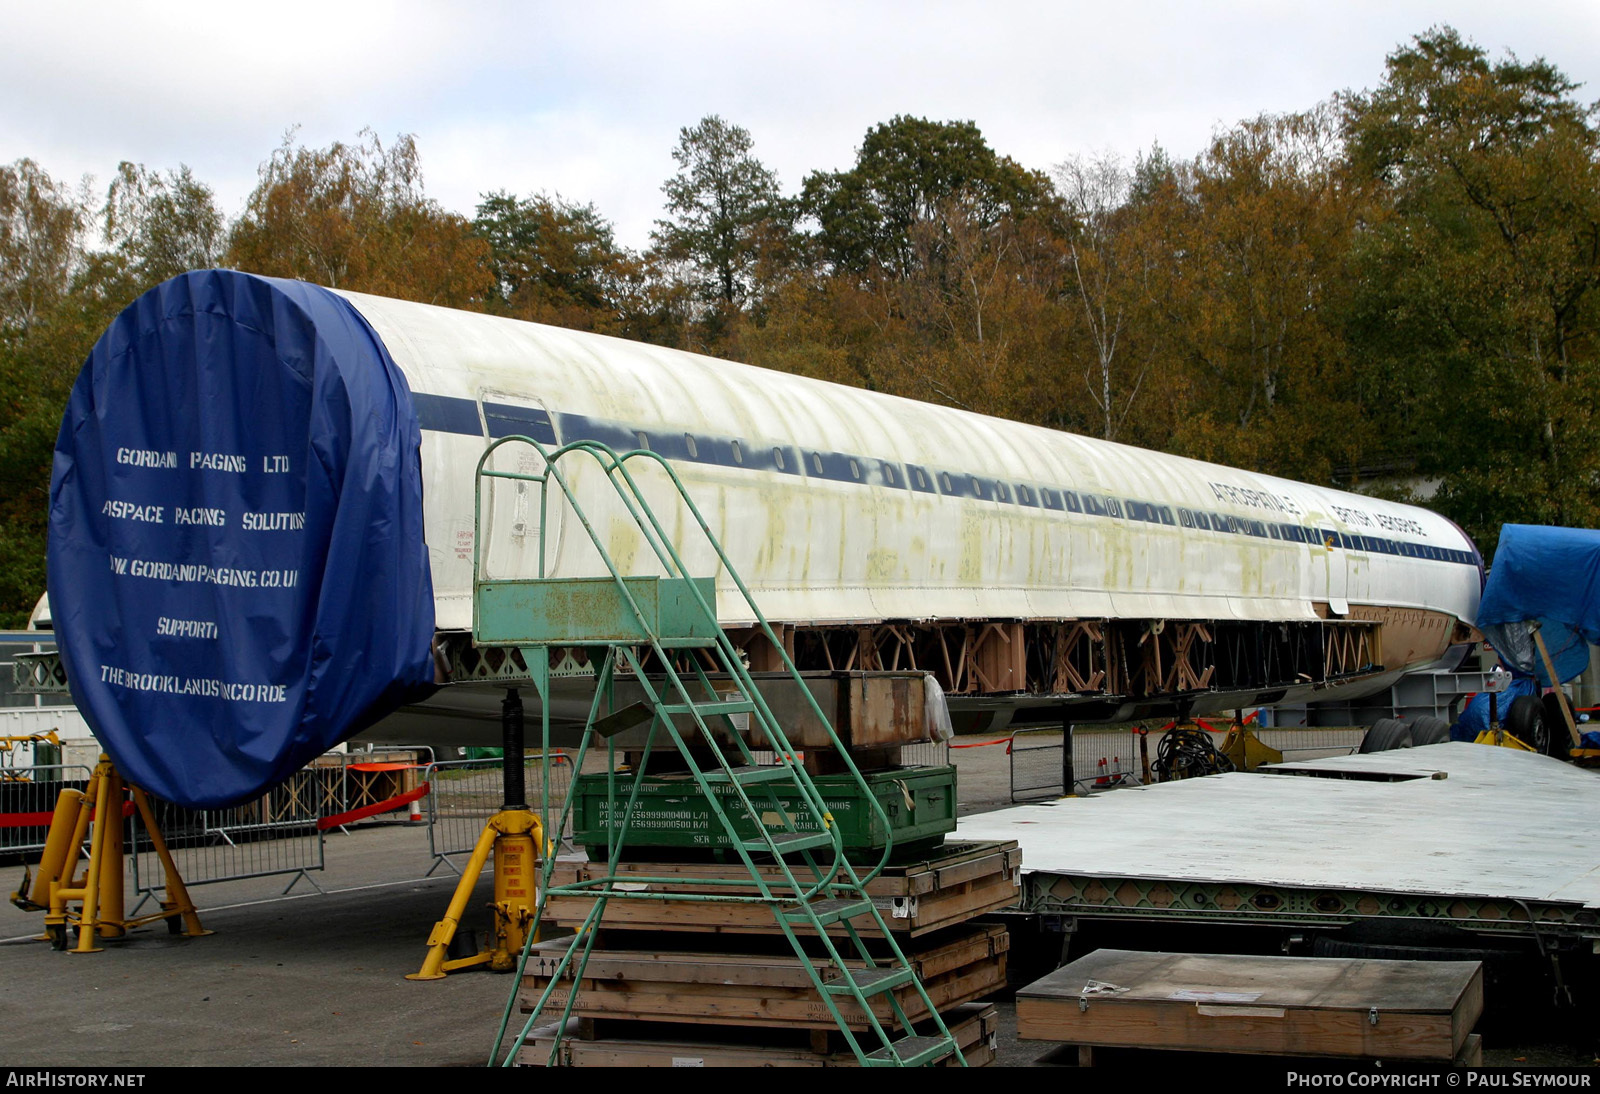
<point>447,414</point>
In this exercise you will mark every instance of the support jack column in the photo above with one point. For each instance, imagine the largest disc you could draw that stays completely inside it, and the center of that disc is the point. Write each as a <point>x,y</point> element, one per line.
<point>514,836</point>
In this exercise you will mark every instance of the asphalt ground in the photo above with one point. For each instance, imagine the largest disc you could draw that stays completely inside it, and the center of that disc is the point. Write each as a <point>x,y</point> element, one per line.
<point>316,977</point>
<point>308,978</point>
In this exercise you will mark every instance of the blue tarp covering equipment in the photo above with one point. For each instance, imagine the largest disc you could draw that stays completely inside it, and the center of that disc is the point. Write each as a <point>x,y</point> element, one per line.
<point>1475,715</point>
<point>237,571</point>
<point>1548,576</point>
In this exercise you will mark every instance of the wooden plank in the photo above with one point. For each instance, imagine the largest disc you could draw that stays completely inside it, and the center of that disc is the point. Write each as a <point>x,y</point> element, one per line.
<point>957,862</point>
<point>1273,1005</point>
<point>760,989</point>
<point>975,1027</point>
<point>912,916</point>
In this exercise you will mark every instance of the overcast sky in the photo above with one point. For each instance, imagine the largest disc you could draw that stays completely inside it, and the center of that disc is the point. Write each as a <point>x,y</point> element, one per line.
<point>587,99</point>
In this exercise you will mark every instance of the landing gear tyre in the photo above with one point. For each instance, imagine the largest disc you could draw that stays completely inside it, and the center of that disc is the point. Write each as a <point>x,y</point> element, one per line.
<point>57,933</point>
<point>1429,730</point>
<point>1386,734</point>
<point>1560,741</point>
<point>1526,722</point>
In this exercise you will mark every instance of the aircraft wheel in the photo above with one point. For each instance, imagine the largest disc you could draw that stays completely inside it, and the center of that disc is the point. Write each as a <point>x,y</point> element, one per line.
<point>1386,734</point>
<point>1526,722</point>
<point>1429,730</point>
<point>1560,743</point>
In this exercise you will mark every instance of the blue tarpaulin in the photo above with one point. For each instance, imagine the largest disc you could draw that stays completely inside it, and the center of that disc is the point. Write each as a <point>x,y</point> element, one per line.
<point>237,572</point>
<point>1475,715</point>
<point>1550,577</point>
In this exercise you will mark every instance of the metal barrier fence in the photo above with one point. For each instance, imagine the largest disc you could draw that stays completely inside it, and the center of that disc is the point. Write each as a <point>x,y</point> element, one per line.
<point>1326,741</point>
<point>464,794</point>
<point>30,793</point>
<point>363,779</point>
<point>1102,758</point>
<point>282,831</point>
<point>274,834</point>
<point>917,754</point>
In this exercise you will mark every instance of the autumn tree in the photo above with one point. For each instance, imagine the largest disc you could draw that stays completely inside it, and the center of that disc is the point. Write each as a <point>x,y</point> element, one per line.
<point>355,216</point>
<point>55,298</point>
<point>1479,302</point>
<point>1248,295</point>
<point>1109,268</point>
<point>724,210</point>
<point>558,262</point>
<point>915,175</point>
<point>162,224</point>
<point>41,244</point>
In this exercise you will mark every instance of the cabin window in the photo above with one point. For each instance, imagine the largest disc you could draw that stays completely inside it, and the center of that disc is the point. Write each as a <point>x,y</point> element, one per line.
<point>944,480</point>
<point>889,475</point>
<point>694,449</point>
<point>816,462</point>
<point>1024,495</point>
<point>855,470</point>
<point>1002,491</point>
<point>738,453</point>
<point>642,439</point>
<point>777,457</point>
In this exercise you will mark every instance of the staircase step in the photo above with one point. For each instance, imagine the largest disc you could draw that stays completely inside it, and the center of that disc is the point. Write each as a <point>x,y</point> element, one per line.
<point>870,981</point>
<point>711,709</point>
<point>749,776</point>
<point>828,911</point>
<point>912,1051</point>
<point>787,842</point>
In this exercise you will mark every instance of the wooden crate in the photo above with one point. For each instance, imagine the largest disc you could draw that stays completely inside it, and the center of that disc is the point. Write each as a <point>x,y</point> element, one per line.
<point>946,888</point>
<point>1290,1006</point>
<point>975,1026</point>
<point>761,988</point>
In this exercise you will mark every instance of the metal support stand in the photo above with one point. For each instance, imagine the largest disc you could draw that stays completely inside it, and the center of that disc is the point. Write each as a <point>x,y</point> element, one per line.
<point>99,892</point>
<point>1069,780</point>
<point>514,836</point>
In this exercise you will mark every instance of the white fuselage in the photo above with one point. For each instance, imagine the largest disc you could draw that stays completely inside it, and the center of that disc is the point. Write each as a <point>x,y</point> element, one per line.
<point>841,505</point>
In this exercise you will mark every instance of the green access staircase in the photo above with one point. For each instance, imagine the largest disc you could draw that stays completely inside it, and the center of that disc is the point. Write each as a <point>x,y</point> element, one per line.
<point>638,623</point>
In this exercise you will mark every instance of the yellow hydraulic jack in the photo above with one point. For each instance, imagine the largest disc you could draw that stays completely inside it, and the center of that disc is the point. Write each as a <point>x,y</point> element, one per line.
<point>99,891</point>
<point>515,837</point>
<point>1245,749</point>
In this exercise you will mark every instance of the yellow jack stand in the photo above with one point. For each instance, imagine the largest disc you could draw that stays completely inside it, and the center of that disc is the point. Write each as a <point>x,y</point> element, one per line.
<point>1246,750</point>
<point>99,891</point>
<point>514,835</point>
<point>1499,738</point>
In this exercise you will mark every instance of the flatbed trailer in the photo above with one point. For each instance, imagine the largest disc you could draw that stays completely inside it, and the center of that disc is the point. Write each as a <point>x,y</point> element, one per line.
<point>1490,841</point>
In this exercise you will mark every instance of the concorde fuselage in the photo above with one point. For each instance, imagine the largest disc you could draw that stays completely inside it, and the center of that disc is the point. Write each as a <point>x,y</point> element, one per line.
<point>843,505</point>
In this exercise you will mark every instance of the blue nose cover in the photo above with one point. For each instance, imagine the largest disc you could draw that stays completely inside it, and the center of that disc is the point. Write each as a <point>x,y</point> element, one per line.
<point>237,572</point>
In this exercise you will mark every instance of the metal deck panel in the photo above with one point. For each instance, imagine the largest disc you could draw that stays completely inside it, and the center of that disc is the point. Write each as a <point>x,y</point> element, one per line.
<point>1501,824</point>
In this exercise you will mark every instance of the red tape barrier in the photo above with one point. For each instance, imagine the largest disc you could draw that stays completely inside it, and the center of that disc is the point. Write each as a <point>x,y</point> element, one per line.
<point>372,810</point>
<point>42,820</point>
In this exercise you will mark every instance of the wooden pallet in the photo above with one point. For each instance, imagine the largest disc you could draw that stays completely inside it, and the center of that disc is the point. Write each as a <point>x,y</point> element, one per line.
<point>761,988</point>
<point>943,889</point>
<point>1284,1006</point>
<point>975,1027</point>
